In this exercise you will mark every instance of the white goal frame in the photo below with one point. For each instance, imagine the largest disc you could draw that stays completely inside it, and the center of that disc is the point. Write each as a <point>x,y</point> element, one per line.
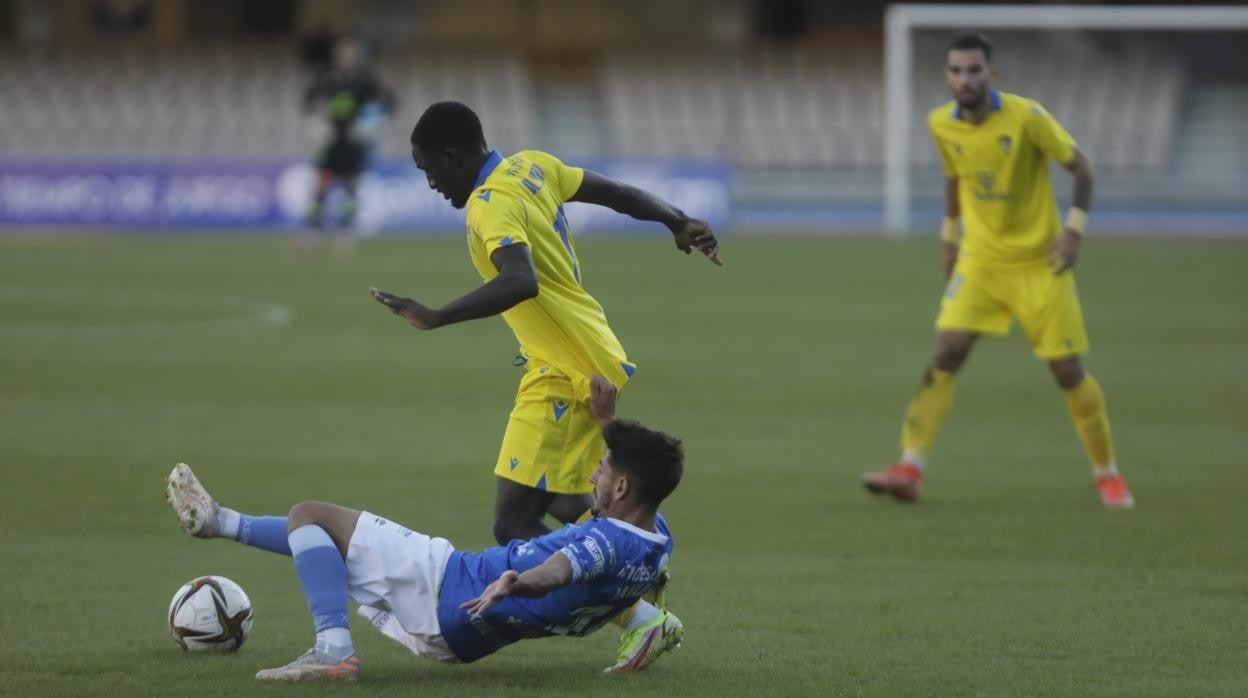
<point>900,20</point>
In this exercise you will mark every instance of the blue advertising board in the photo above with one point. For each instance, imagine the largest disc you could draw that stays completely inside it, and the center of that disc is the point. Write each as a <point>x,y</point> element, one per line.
<point>268,194</point>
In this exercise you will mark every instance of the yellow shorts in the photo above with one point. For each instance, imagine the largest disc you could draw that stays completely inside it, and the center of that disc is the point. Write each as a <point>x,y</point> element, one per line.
<point>552,442</point>
<point>987,299</point>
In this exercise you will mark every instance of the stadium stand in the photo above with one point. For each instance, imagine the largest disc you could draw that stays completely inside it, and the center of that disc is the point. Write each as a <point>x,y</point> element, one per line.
<point>240,100</point>
<point>802,106</point>
<point>767,106</point>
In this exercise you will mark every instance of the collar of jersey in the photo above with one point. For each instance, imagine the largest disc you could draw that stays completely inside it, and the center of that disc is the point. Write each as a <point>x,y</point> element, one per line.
<point>993,96</point>
<point>491,163</point>
<point>648,535</point>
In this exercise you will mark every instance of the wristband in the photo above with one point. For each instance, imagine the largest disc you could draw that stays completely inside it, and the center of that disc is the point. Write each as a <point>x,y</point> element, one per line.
<point>1077,220</point>
<point>949,229</point>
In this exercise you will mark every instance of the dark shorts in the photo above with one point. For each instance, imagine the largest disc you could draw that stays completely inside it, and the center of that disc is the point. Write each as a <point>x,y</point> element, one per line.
<point>344,158</point>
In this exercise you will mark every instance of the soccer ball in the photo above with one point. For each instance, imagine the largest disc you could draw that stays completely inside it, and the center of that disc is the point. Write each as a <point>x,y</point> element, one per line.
<point>210,613</point>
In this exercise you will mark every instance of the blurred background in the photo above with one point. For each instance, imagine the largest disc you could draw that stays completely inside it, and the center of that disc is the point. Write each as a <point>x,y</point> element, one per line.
<point>762,116</point>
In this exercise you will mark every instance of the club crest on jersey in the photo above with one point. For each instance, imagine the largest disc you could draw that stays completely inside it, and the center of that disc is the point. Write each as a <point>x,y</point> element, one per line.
<point>1006,143</point>
<point>986,179</point>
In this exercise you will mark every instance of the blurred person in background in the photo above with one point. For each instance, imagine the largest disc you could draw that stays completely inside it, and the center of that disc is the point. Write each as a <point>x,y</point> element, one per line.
<point>353,104</point>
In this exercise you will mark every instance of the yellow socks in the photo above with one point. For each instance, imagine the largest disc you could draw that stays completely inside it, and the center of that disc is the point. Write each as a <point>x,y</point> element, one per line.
<point>1087,408</point>
<point>926,411</point>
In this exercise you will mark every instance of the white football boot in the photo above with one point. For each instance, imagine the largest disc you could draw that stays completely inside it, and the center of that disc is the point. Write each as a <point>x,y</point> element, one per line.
<point>196,509</point>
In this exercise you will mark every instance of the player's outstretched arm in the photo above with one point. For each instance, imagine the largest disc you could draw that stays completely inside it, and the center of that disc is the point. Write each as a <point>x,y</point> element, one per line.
<point>690,233</point>
<point>1065,249</point>
<point>553,574</point>
<point>516,282</point>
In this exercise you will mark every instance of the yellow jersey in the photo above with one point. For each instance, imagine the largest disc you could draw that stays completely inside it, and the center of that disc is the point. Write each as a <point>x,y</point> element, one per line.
<point>519,201</point>
<point>1009,215</point>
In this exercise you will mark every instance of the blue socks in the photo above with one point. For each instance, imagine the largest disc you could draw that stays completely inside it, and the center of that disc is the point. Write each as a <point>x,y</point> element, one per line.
<point>264,532</point>
<point>323,576</point>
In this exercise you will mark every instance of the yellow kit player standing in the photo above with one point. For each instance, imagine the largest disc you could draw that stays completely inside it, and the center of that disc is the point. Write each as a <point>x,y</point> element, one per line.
<point>1014,261</point>
<point>521,245</point>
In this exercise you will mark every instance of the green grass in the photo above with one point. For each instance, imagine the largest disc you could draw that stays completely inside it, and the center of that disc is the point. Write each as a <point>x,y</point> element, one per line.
<point>786,371</point>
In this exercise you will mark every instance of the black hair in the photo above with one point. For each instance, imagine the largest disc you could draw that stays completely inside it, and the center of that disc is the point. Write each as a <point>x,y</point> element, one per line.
<point>652,461</point>
<point>448,125</point>
<point>969,41</point>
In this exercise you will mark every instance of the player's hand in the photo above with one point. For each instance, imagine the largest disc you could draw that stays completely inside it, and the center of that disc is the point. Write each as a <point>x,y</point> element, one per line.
<point>498,590</point>
<point>417,315</point>
<point>696,234</point>
<point>949,257</point>
<point>602,397</point>
<point>1064,251</point>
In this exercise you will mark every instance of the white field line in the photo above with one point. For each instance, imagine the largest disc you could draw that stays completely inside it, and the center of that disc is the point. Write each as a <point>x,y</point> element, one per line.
<point>71,309</point>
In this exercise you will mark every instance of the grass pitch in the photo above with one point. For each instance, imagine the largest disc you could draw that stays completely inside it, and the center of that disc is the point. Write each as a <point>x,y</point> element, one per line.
<point>786,371</point>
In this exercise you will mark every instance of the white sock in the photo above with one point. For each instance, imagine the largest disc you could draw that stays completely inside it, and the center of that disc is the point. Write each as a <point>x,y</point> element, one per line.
<point>1106,470</point>
<point>227,522</point>
<point>913,458</point>
<point>644,613</point>
<point>336,642</point>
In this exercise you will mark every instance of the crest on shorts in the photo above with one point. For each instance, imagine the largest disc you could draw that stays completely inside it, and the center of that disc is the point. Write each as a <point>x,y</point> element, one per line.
<point>1006,143</point>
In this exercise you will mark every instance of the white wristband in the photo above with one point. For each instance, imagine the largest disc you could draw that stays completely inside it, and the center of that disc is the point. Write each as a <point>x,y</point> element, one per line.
<point>1077,220</point>
<point>949,229</point>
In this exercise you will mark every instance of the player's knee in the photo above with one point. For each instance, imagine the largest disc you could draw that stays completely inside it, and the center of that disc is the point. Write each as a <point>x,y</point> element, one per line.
<point>511,527</point>
<point>502,531</point>
<point>304,513</point>
<point>1068,372</point>
<point>949,358</point>
<point>951,351</point>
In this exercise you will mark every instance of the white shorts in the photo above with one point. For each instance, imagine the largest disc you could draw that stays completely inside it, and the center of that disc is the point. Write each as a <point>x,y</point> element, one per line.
<point>395,574</point>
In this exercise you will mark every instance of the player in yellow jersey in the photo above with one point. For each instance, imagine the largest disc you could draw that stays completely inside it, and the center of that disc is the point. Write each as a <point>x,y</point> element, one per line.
<point>521,244</point>
<point>1014,261</point>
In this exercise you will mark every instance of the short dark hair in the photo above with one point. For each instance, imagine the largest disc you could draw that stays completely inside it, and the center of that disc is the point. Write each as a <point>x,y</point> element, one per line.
<point>448,125</point>
<point>969,41</point>
<point>652,461</point>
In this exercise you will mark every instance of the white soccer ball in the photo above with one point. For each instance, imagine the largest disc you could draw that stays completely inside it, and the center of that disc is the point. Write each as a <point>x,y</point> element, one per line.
<point>210,613</point>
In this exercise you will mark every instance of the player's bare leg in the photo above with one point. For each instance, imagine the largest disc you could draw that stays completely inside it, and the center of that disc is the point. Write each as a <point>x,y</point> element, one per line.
<point>339,522</point>
<point>570,508</point>
<point>519,511</point>
<point>926,411</point>
<point>1086,402</point>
